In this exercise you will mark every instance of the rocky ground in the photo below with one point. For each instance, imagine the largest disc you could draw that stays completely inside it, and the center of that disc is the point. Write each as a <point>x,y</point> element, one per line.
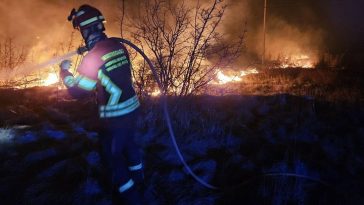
<point>278,149</point>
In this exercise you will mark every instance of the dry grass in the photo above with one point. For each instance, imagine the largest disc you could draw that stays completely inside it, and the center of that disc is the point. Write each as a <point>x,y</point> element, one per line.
<point>326,85</point>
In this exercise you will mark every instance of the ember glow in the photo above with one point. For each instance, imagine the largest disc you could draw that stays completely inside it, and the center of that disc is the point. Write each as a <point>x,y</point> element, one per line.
<point>224,78</point>
<point>155,93</point>
<point>300,61</point>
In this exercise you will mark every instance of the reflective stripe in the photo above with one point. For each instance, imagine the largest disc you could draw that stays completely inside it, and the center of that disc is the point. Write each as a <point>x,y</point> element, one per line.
<point>117,113</point>
<point>136,167</point>
<point>69,81</point>
<point>120,106</point>
<point>91,20</point>
<point>117,65</point>
<point>108,69</point>
<point>88,21</point>
<point>79,13</point>
<point>126,186</point>
<point>112,54</point>
<point>87,83</point>
<point>115,61</point>
<point>114,91</point>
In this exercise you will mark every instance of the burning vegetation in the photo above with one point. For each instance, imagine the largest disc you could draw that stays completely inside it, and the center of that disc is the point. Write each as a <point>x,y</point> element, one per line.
<point>212,50</point>
<point>192,45</point>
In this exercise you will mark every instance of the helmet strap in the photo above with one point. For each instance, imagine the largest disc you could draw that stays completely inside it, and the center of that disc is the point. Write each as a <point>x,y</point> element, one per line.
<point>93,38</point>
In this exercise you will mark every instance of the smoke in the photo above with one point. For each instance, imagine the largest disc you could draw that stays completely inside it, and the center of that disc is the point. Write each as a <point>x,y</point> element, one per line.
<point>293,27</point>
<point>41,27</point>
<point>33,23</point>
<point>284,40</point>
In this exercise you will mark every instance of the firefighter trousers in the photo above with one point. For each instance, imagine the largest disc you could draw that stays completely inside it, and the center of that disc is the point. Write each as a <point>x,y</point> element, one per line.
<point>122,157</point>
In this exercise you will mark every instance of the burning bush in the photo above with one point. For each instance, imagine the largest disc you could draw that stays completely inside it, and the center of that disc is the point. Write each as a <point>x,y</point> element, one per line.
<point>182,40</point>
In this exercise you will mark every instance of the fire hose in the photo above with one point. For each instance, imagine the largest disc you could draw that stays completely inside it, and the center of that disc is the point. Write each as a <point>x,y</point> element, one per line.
<point>167,117</point>
<point>166,114</point>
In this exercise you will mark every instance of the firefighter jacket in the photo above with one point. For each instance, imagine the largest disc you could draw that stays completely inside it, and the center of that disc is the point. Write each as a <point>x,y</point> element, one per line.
<point>106,68</point>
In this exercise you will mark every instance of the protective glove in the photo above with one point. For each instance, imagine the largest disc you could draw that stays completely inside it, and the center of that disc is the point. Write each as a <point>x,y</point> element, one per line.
<point>65,65</point>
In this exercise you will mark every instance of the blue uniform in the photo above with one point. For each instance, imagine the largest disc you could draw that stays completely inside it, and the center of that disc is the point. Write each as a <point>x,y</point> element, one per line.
<point>106,69</point>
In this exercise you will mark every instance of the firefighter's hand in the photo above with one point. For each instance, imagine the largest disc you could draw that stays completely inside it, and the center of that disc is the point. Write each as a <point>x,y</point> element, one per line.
<point>65,65</point>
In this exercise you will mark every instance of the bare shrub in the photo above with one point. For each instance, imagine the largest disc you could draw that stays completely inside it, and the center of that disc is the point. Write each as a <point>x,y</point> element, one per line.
<point>183,43</point>
<point>11,56</point>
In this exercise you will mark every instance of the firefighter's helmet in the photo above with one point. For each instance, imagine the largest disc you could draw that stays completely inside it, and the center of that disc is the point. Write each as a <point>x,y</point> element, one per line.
<point>87,17</point>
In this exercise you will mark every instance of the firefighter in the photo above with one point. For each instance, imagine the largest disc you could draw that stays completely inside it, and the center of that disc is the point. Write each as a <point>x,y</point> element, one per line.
<point>106,69</point>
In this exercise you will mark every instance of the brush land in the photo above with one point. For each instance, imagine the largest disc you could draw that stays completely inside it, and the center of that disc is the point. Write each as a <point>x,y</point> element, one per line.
<point>264,146</point>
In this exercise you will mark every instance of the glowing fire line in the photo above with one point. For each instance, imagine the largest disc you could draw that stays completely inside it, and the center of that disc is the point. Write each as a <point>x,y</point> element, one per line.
<point>51,79</point>
<point>222,78</point>
<point>302,61</point>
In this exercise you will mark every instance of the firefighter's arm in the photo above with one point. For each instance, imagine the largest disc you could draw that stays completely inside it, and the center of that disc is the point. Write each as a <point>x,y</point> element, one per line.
<point>78,87</point>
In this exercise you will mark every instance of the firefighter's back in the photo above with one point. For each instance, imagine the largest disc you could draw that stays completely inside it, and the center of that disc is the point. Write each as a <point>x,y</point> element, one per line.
<point>109,63</point>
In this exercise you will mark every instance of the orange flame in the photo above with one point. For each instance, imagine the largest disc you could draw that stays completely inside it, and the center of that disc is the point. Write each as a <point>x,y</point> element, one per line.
<point>300,61</point>
<point>222,78</point>
<point>51,79</point>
